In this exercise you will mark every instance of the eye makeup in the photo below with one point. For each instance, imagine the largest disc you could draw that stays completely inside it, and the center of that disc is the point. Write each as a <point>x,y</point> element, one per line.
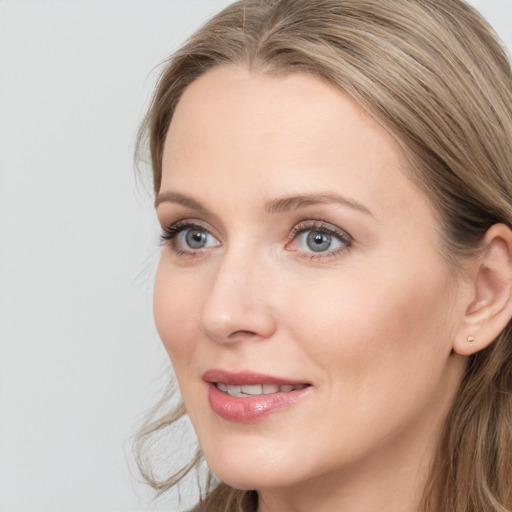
<point>312,239</point>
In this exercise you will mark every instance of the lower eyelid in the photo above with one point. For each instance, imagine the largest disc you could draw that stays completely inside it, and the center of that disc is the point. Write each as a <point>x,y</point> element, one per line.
<point>320,256</point>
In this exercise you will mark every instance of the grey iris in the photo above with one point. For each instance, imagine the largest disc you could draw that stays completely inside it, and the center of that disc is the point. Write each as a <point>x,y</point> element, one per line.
<point>318,241</point>
<point>195,239</point>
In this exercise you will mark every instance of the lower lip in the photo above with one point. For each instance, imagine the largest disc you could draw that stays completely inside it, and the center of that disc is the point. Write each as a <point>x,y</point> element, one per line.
<point>252,408</point>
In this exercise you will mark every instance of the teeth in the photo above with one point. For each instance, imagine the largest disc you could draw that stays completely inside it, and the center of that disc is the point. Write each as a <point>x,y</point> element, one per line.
<point>252,390</point>
<point>256,389</point>
<point>270,388</point>
<point>234,391</point>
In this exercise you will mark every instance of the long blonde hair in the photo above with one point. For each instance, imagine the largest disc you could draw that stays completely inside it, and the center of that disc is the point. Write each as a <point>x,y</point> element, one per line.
<point>433,73</point>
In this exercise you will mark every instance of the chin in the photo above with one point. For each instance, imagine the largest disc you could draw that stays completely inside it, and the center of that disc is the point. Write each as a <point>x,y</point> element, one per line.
<point>249,479</point>
<point>265,474</point>
<point>246,470</point>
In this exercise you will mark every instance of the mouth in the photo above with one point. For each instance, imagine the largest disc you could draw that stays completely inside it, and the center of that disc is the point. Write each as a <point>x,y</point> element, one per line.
<point>248,397</point>
<point>250,390</point>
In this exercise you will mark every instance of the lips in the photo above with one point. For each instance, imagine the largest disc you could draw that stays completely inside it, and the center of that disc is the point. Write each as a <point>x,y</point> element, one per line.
<point>248,397</point>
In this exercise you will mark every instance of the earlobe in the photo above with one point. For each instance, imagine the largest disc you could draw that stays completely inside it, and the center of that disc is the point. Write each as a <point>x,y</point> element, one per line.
<point>490,308</point>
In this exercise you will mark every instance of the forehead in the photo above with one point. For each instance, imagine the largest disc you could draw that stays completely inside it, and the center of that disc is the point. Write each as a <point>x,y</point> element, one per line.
<point>230,101</point>
<point>280,134</point>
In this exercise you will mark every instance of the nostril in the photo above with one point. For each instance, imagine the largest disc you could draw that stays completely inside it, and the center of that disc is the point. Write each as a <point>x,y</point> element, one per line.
<point>237,335</point>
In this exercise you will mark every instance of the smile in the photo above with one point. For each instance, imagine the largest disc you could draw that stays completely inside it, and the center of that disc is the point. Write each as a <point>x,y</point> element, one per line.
<point>248,397</point>
<point>256,389</point>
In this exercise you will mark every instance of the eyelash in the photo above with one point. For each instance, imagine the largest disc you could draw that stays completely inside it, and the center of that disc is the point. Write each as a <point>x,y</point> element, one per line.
<point>324,228</point>
<point>170,233</point>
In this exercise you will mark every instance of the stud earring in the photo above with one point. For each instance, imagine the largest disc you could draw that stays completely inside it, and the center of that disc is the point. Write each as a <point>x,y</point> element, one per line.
<point>470,339</point>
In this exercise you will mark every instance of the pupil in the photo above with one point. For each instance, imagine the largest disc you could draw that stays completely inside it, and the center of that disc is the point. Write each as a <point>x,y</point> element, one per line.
<point>318,242</point>
<point>196,239</point>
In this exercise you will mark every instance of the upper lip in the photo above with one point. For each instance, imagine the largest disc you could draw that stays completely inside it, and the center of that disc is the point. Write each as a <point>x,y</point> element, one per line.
<point>246,378</point>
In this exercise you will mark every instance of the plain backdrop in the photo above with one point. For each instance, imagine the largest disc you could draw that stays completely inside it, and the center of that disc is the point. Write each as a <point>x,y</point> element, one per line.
<point>79,356</point>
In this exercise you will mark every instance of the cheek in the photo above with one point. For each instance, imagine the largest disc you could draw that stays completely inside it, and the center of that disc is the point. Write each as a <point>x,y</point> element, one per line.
<point>375,346</point>
<point>174,308</point>
<point>374,324</point>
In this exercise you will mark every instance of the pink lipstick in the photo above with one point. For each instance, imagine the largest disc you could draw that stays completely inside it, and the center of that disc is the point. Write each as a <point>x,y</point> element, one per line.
<point>247,397</point>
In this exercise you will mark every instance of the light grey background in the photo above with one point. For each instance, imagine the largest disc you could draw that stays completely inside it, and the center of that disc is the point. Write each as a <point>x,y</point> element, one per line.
<point>79,356</point>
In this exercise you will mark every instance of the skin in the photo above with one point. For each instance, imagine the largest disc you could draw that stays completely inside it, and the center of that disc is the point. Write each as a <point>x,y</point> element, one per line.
<point>369,323</point>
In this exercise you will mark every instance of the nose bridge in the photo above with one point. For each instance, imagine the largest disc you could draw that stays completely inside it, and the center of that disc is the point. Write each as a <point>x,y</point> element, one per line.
<point>237,305</point>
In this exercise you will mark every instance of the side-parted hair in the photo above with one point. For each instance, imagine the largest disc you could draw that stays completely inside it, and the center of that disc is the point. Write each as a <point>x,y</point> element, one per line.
<point>435,76</point>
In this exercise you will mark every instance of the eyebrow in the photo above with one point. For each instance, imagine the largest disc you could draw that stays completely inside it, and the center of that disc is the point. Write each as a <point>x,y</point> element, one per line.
<point>279,205</point>
<point>303,200</point>
<point>177,198</point>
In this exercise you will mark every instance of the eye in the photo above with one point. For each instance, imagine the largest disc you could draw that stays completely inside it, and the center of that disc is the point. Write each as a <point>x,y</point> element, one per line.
<point>186,237</point>
<point>195,238</point>
<point>318,239</point>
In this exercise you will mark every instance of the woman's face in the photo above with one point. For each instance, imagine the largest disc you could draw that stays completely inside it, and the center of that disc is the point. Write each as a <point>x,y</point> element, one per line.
<point>301,293</point>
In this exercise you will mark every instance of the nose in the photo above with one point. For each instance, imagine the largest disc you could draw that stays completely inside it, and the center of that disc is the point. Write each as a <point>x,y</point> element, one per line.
<point>238,304</point>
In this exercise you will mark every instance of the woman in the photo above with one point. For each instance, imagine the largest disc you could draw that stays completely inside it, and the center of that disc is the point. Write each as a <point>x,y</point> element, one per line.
<point>333,179</point>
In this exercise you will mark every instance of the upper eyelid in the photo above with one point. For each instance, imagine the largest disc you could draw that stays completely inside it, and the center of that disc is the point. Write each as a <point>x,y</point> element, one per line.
<point>320,226</point>
<point>187,223</point>
<point>170,213</point>
<point>303,224</point>
<point>176,227</point>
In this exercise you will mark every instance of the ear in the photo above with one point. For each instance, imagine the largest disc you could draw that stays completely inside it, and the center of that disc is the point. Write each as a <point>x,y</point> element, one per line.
<point>490,305</point>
